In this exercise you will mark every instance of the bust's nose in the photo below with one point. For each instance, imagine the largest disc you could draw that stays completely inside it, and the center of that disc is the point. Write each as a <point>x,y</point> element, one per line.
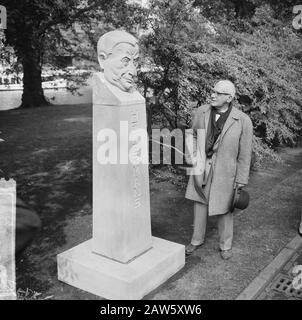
<point>132,69</point>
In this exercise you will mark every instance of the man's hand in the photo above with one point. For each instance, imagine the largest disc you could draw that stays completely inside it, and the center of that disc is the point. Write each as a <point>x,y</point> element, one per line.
<point>239,185</point>
<point>192,161</point>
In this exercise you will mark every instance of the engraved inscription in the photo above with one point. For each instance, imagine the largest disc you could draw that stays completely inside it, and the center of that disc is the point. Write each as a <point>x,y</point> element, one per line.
<point>136,170</point>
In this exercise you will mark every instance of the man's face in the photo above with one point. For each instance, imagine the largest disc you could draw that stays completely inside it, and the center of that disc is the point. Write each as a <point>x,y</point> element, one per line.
<point>218,97</point>
<point>120,66</point>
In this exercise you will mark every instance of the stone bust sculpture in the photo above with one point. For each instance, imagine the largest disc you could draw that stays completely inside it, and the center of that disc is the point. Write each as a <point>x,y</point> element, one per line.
<point>118,55</point>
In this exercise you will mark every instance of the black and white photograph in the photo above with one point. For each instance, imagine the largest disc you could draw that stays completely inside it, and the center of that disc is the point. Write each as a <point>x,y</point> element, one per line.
<point>151,150</point>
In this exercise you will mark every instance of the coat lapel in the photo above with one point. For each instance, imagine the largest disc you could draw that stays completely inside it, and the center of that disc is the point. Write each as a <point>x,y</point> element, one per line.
<point>233,116</point>
<point>207,113</point>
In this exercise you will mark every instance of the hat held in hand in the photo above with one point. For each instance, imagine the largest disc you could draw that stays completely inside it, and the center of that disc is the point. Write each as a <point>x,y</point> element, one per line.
<point>240,200</point>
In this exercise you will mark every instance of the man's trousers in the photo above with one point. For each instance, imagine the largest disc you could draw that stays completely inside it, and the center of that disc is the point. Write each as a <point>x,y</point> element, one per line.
<point>225,226</point>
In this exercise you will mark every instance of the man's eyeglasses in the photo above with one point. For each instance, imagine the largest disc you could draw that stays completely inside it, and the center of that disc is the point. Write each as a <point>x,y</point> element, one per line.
<point>220,93</point>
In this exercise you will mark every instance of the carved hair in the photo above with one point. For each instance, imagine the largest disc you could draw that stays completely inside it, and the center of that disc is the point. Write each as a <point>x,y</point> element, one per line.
<point>111,39</point>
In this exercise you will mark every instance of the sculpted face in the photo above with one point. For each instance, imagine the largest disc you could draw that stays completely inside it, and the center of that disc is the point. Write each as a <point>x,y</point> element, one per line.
<point>120,66</point>
<point>118,56</point>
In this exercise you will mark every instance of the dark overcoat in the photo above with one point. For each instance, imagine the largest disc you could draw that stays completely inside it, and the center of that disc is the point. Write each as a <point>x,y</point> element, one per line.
<point>231,161</point>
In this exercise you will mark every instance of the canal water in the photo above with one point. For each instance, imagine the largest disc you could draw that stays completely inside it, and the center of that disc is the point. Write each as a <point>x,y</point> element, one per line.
<point>12,99</point>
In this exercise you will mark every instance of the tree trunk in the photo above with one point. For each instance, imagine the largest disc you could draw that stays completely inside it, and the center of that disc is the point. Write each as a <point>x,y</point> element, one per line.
<point>33,95</point>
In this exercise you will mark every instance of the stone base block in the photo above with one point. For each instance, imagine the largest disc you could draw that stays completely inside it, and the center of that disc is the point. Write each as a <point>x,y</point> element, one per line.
<point>8,296</point>
<point>83,269</point>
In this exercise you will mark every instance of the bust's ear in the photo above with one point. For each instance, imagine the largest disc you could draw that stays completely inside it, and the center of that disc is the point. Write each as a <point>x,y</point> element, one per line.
<point>102,57</point>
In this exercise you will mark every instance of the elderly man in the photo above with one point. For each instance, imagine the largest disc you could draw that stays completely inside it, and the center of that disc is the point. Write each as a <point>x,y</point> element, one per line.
<point>225,152</point>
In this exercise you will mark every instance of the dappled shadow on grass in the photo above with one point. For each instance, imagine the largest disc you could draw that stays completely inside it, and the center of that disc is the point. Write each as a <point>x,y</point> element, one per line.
<point>51,161</point>
<point>58,195</point>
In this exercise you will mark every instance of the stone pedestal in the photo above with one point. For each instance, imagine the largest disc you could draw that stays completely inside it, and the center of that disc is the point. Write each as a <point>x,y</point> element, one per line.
<point>122,260</point>
<point>121,205</point>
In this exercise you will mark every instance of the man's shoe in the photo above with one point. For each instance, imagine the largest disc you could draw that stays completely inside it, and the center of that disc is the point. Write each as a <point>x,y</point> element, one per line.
<point>190,248</point>
<point>226,254</point>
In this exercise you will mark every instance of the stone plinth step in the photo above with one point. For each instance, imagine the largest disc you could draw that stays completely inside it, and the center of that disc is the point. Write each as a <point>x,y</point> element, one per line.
<point>82,268</point>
